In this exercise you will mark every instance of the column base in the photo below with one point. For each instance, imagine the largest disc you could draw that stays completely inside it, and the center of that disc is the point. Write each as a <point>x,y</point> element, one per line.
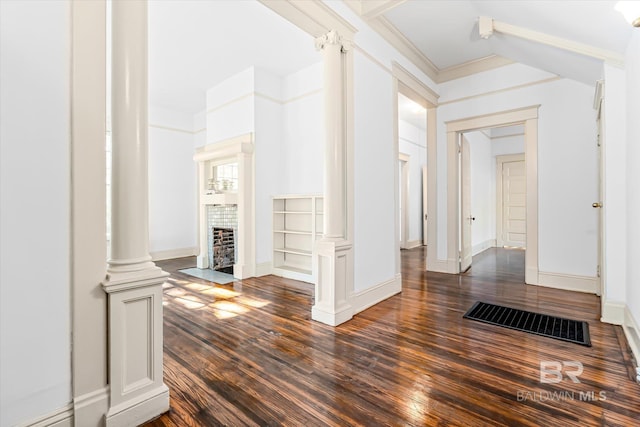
<point>137,392</point>
<point>331,317</point>
<point>144,408</point>
<point>334,288</point>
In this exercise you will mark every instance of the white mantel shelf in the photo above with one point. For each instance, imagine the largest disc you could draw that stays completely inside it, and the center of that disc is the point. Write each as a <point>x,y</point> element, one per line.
<point>219,199</point>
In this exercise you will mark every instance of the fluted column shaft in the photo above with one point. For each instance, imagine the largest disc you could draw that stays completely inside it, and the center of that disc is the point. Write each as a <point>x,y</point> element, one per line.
<point>129,97</point>
<point>331,45</point>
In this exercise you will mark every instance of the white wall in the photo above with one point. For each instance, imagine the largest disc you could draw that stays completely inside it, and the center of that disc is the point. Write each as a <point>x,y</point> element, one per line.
<point>200,129</point>
<point>230,107</point>
<point>567,176</point>
<point>35,358</point>
<point>374,168</point>
<point>375,157</point>
<point>303,131</point>
<point>268,157</point>
<point>633,175</point>
<point>507,145</point>
<point>615,191</point>
<point>172,182</point>
<point>413,142</point>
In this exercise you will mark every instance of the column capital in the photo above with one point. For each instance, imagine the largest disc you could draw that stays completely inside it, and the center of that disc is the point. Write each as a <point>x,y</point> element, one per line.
<point>332,38</point>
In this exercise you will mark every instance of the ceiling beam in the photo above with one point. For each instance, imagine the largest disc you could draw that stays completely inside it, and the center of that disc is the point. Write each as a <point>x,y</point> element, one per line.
<point>313,17</point>
<point>373,8</point>
<point>488,26</point>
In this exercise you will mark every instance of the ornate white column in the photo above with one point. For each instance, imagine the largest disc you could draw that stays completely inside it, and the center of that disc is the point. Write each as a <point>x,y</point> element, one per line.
<point>133,283</point>
<point>334,251</point>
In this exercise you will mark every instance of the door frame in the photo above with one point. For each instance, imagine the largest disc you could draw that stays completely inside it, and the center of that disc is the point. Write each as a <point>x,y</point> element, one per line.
<point>406,83</point>
<point>500,161</point>
<point>527,116</point>
<point>404,166</point>
<point>464,164</point>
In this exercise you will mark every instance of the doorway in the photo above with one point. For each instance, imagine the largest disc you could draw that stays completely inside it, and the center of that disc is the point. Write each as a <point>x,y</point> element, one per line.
<point>457,252</point>
<point>484,156</point>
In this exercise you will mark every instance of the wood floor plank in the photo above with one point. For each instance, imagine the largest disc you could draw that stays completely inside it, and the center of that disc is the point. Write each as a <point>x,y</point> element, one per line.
<point>247,353</point>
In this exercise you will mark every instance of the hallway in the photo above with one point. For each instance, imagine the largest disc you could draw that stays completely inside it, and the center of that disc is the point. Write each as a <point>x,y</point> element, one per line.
<point>247,353</point>
<point>499,263</point>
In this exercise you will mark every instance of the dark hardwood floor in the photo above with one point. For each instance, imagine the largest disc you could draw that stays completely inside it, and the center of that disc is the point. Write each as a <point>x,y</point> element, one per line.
<point>247,353</point>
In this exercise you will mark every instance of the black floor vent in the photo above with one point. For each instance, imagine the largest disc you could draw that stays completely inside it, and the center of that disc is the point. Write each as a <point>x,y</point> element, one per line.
<point>535,323</point>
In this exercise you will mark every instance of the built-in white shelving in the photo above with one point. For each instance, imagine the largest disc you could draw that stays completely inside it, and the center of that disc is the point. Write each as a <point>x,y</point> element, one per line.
<point>297,224</point>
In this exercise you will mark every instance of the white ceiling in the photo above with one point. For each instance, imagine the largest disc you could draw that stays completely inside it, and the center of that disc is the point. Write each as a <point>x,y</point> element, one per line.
<point>412,112</point>
<point>194,45</point>
<point>447,31</point>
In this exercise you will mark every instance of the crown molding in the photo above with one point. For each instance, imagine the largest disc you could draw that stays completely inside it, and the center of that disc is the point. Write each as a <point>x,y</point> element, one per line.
<point>412,85</point>
<point>396,39</point>
<point>313,17</point>
<point>472,67</point>
<point>371,11</point>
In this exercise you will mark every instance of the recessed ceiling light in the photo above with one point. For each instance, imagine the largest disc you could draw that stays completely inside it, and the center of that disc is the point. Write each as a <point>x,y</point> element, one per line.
<point>630,10</point>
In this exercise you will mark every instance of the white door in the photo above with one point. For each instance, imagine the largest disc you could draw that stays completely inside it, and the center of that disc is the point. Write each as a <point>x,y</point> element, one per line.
<point>514,199</point>
<point>598,204</point>
<point>466,250</point>
<point>424,205</point>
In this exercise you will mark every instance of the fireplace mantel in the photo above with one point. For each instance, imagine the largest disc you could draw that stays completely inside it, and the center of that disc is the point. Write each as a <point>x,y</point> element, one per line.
<point>238,150</point>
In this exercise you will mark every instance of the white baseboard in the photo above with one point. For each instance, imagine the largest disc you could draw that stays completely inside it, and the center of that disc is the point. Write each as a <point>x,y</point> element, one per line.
<point>442,266</point>
<point>413,244</point>
<point>632,332</point>
<point>613,312</point>
<point>264,269</point>
<point>568,282</point>
<point>483,246</point>
<point>332,318</point>
<point>62,417</point>
<point>173,253</point>
<point>144,408</point>
<point>377,293</point>
<point>89,408</point>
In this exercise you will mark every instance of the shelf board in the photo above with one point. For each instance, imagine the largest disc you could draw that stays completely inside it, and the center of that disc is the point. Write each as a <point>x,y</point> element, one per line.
<point>293,251</point>
<point>304,233</point>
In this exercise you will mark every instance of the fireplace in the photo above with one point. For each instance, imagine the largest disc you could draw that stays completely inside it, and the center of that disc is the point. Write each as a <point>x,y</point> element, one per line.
<point>223,249</point>
<point>226,200</point>
<point>222,223</point>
